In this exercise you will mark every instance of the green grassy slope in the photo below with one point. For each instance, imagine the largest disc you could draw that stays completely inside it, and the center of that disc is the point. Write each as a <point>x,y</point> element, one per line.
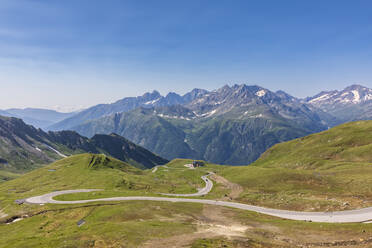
<point>330,170</point>
<point>116,178</point>
<point>6,176</point>
<point>294,182</point>
<point>157,224</point>
<point>121,148</point>
<point>351,142</point>
<point>92,171</point>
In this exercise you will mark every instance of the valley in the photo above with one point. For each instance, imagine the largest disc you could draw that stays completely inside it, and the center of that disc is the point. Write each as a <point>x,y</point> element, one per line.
<point>185,124</point>
<point>311,191</point>
<point>296,185</point>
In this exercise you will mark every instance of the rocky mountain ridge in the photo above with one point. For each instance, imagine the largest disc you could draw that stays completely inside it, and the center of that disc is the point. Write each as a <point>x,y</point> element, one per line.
<point>153,99</point>
<point>231,125</point>
<point>24,147</point>
<point>350,104</point>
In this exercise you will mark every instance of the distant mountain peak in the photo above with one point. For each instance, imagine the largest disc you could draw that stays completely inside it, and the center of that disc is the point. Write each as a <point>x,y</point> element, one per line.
<point>153,95</point>
<point>172,94</point>
<point>355,87</point>
<point>224,88</point>
<point>198,91</point>
<point>353,94</point>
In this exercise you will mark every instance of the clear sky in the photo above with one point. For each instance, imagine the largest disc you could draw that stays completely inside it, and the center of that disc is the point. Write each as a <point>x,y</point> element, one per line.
<point>76,53</point>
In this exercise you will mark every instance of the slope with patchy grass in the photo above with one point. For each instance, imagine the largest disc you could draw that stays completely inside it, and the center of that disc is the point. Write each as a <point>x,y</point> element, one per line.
<point>146,224</point>
<point>330,170</point>
<point>338,179</point>
<point>341,145</point>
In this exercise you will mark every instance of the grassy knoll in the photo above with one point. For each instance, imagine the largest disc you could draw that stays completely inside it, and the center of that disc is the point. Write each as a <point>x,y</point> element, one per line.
<point>114,177</point>
<point>56,225</point>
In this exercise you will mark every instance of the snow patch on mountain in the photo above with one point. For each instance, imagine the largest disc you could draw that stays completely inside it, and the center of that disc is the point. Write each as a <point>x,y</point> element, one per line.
<point>174,117</point>
<point>152,102</point>
<point>368,97</point>
<point>253,116</point>
<point>260,93</point>
<point>356,96</point>
<point>38,149</point>
<point>321,98</point>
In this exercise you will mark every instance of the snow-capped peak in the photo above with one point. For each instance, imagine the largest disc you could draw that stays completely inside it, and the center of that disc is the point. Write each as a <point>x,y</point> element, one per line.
<point>354,94</point>
<point>260,93</point>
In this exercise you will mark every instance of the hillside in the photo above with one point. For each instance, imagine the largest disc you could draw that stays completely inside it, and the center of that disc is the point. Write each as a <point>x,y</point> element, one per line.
<point>23,147</point>
<point>99,171</point>
<point>327,170</point>
<point>155,224</point>
<point>232,125</point>
<point>347,143</point>
<point>118,147</point>
<point>148,130</point>
<point>84,170</point>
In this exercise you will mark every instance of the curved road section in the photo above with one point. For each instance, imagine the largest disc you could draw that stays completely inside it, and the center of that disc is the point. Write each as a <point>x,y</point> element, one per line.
<point>203,191</point>
<point>349,216</point>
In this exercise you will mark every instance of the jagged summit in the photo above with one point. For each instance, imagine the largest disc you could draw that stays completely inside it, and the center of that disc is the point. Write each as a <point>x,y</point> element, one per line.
<point>220,125</point>
<point>231,125</point>
<point>147,100</point>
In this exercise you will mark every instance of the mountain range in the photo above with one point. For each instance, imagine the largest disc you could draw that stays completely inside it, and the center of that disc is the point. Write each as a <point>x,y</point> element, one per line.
<point>153,99</point>
<point>24,147</point>
<point>351,104</point>
<point>230,125</point>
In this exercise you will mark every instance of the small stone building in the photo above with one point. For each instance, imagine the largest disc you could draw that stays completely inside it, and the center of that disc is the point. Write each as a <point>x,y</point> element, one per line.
<point>196,164</point>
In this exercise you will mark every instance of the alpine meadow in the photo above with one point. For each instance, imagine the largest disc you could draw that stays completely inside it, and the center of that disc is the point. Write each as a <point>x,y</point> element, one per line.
<point>201,124</point>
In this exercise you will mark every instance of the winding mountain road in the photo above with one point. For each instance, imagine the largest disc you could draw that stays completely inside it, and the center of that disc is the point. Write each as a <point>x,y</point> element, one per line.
<point>203,191</point>
<point>348,216</point>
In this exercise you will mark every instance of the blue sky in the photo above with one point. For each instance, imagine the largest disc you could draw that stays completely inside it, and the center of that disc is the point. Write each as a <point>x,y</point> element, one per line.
<point>76,53</point>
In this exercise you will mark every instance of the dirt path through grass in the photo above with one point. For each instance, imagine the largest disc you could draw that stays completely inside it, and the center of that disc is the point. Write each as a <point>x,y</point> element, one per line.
<point>235,189</point>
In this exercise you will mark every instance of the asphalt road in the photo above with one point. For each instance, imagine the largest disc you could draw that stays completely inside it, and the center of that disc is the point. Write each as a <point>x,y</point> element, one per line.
<point>348,216</point>
<point>203,191</point>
